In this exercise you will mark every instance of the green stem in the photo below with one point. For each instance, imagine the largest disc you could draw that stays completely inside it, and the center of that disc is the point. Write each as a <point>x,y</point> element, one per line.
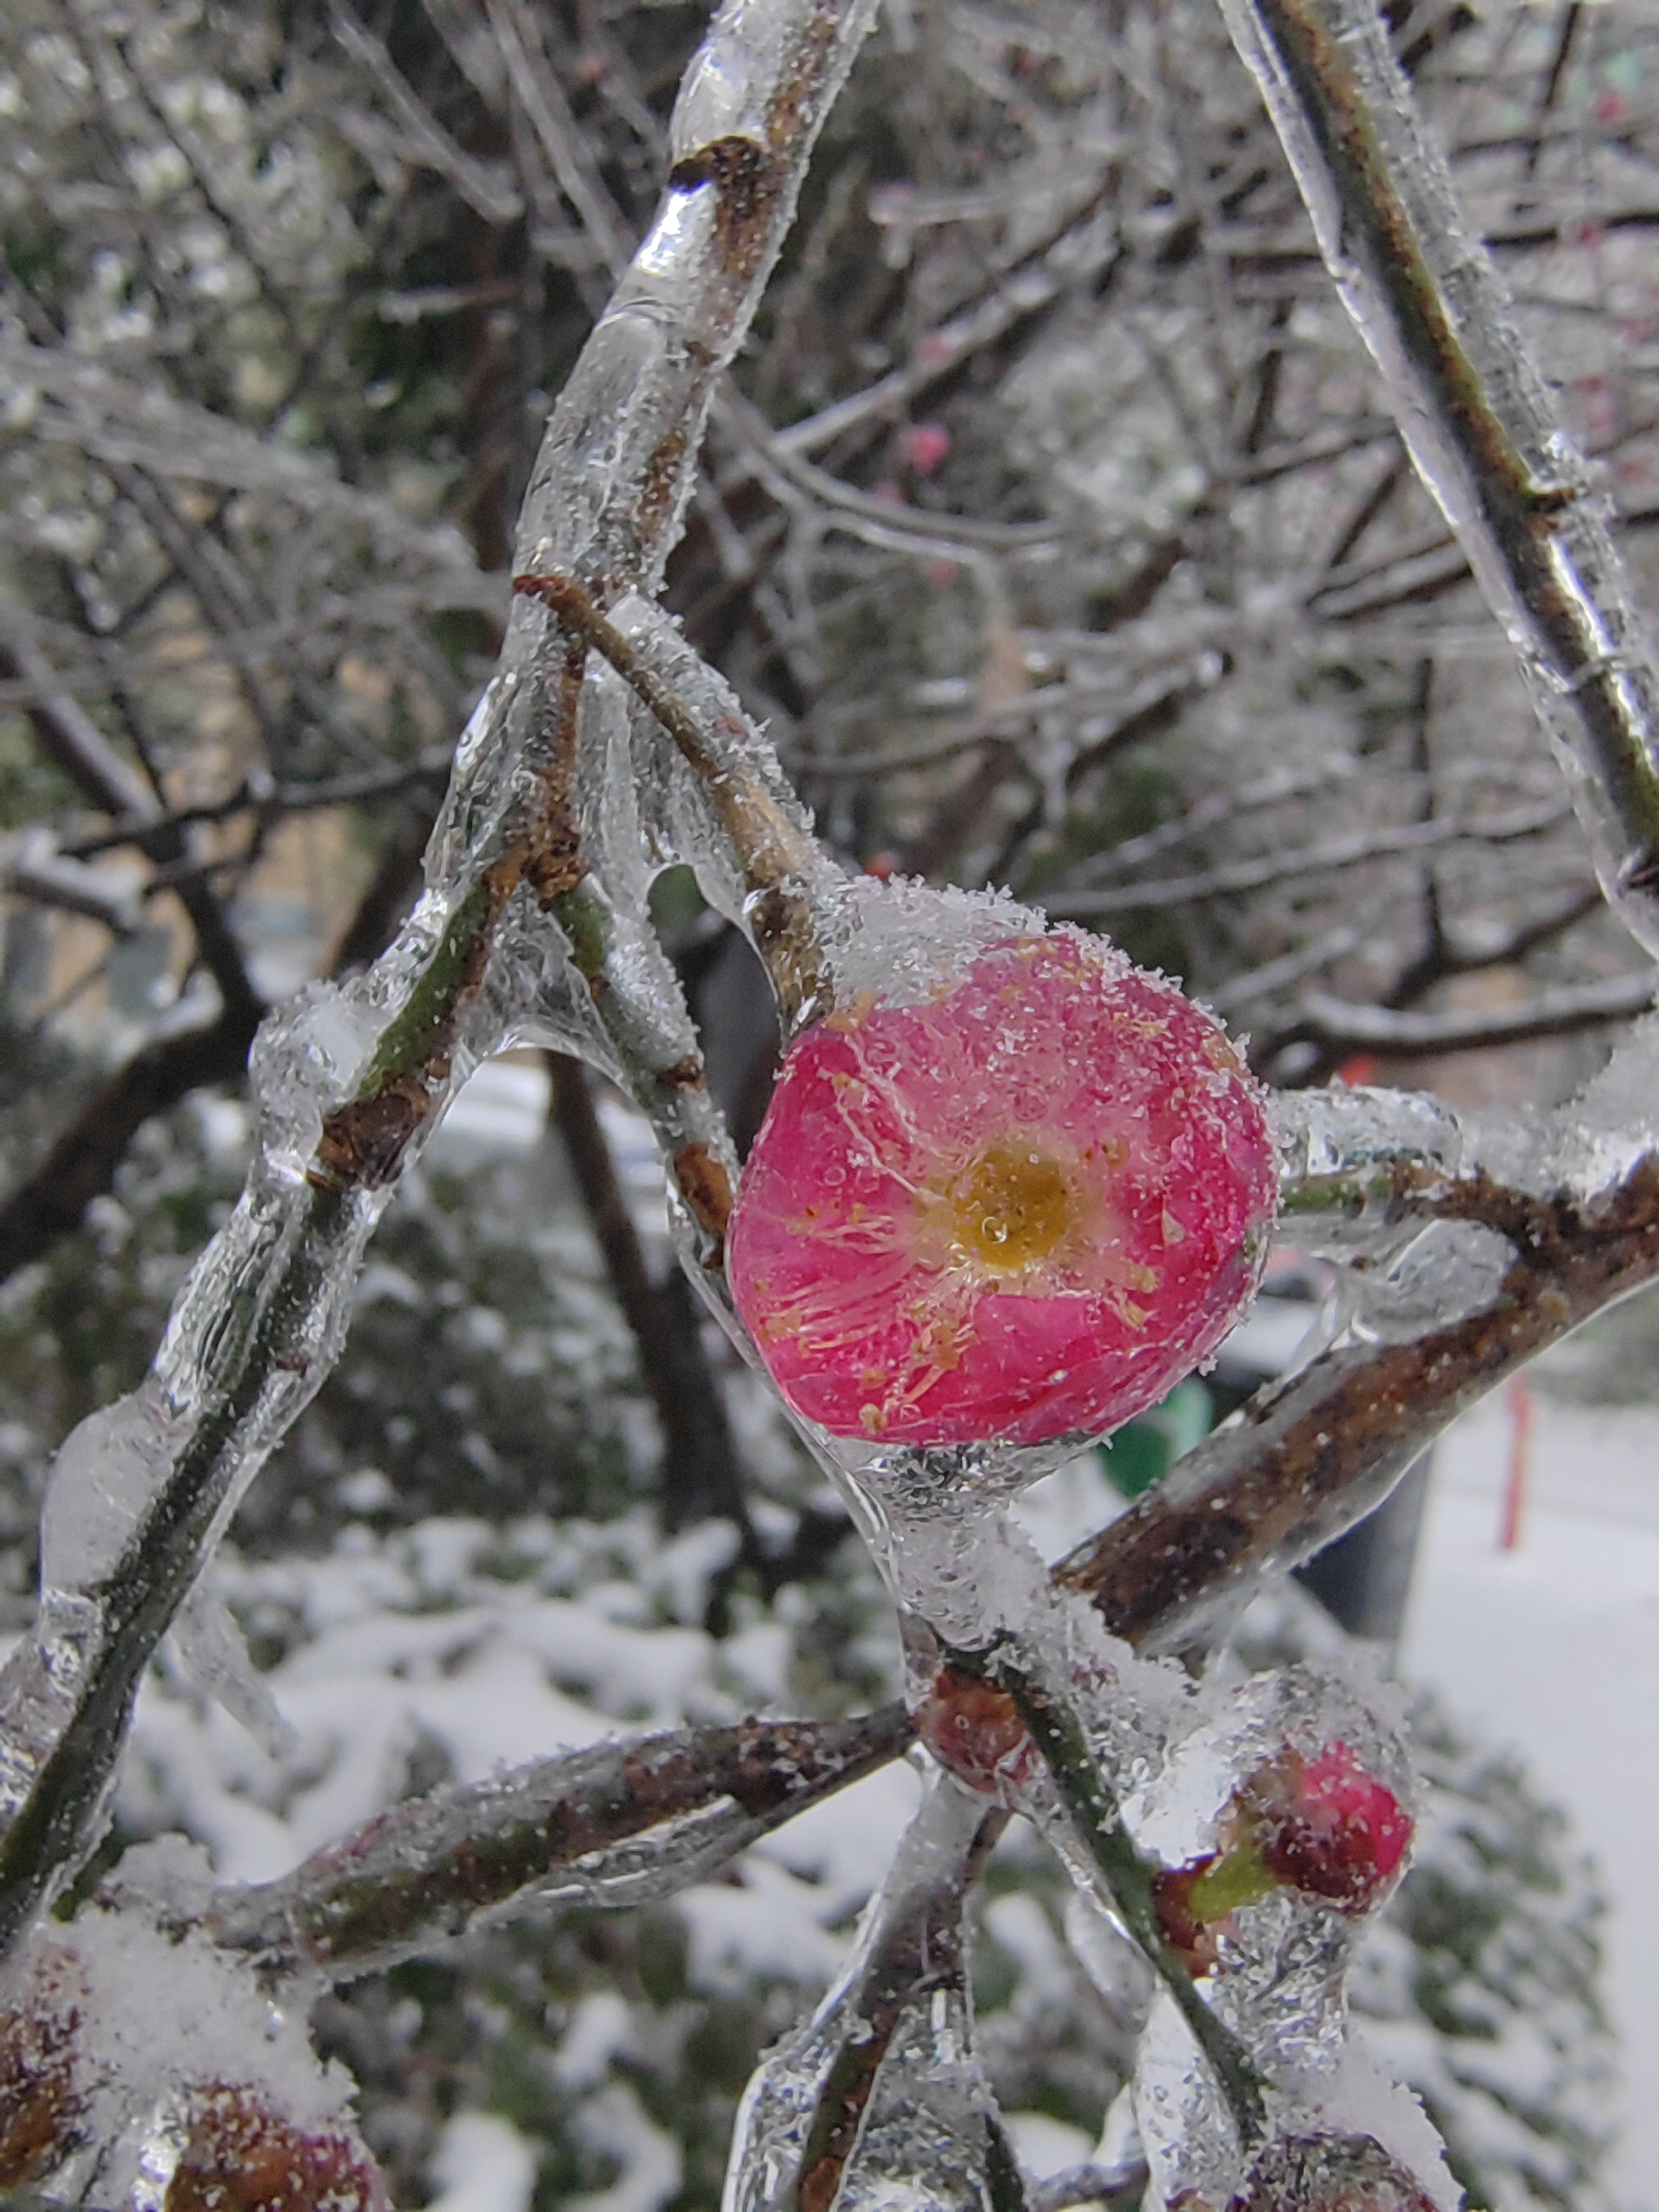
<point>1055,1729</point>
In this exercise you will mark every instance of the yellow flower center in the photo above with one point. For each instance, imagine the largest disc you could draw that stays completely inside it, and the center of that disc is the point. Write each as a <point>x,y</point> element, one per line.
<point>1012,1208</point>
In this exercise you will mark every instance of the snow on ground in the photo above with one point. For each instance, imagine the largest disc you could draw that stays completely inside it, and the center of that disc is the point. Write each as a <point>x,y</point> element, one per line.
<point>483,2164</point>
<point>1553,1647</point>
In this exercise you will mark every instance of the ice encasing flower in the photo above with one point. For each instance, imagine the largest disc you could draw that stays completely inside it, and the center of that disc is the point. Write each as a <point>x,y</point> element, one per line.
<point>1023,1208</point>
<point>1325,1827</point>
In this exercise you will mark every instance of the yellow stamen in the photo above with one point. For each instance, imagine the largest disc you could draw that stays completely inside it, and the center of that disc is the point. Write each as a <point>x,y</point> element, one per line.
<point>1012,1208</point>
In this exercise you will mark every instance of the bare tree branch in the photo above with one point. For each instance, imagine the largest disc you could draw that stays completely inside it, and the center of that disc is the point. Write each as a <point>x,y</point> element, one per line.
<point>1341,1026</point>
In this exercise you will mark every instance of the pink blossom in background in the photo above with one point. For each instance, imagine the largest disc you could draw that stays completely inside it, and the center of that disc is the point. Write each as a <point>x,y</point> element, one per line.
<point>1025,1208</point>
<point>923,446</point>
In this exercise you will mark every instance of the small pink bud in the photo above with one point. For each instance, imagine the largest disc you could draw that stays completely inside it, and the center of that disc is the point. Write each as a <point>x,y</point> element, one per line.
<point>1333,1831</point>
<point>1022,1209</point>
<point>1322,1826</point>
<point>923,446</point>
<point>975,1729</point>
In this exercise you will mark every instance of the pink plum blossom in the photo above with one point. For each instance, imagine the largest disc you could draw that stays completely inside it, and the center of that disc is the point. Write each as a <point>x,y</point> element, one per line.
<point>1022,1209</point>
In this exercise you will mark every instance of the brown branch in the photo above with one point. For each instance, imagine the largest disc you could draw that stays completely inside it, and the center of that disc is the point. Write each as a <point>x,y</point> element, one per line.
<point>701,1477</point>
<point>1313,1456</point>
<point>581,1825</point>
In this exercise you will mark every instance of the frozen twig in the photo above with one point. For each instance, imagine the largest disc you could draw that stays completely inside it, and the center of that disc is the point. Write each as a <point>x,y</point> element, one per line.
<point>119,422</point>
<point>542,98</point>
<point>620,1824</point>
<point>1347,852</point>
<point>1340,1025</point>
<point>1481,1246</point>
<point>33,866</point>
<point>780,859</point>
<point>482,184</point>
<point>272,802</point>
<point>1075,258</point>
<point>1474,413</point>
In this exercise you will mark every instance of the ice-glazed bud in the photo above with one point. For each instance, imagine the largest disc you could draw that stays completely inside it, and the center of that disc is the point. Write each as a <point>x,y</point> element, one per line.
<point>973,1729</point>
<point>1322,1826</point>
<point>1330,2173</point>
<point>1024,1208</point>
<point>1327,1827</point>
<point>243,2156</point>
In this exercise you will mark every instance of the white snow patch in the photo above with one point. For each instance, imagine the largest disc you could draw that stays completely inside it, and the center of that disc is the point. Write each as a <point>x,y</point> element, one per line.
<point>483,2164</point>
<point>1045,2146</point>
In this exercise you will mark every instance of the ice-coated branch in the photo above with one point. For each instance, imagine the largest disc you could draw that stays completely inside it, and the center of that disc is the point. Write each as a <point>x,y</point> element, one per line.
<point>1474,413</point>
<point>780,862</point>
<point>1340,1025</point>
<point>518,939</point>
<point>1480,1244</point>
<point>878,2096</point>
<point>1333,853</point>
<point>618,1824</point>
